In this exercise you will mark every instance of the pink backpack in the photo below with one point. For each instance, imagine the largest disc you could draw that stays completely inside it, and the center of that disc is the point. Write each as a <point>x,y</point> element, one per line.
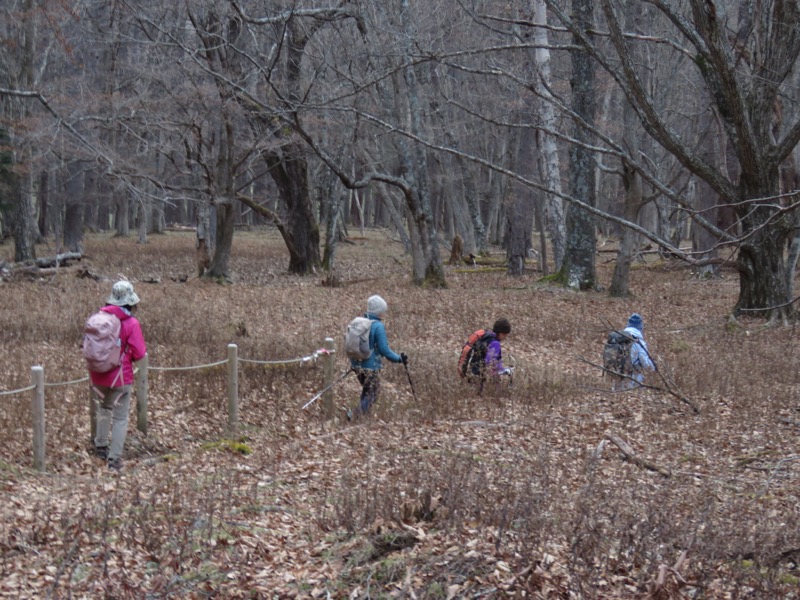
<point>102,347</point>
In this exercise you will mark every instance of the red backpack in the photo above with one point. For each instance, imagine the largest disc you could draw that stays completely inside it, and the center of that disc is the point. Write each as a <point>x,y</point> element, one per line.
<point>473,353</point>
<point>101,346</point>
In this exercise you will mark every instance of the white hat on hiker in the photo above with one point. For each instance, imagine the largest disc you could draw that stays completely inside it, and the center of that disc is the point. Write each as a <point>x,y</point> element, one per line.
<point>122,294</point>
<point>377,305</point>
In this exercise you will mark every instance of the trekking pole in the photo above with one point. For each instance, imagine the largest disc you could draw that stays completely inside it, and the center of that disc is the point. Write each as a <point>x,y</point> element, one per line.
<point>325,389</point>
<point>411,383</point>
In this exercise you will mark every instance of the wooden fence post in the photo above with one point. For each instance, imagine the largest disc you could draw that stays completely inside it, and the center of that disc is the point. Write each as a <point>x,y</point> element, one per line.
<point>233,387</point>
<point>37,404</point>
<point>141,394</point>
<point>327,375</point>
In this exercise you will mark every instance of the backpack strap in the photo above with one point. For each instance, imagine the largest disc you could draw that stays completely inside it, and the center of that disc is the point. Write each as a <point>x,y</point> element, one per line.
<point>123,350</point>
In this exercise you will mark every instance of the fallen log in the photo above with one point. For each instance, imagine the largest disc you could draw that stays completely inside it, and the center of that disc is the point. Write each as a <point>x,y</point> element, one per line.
<point>59,260</point>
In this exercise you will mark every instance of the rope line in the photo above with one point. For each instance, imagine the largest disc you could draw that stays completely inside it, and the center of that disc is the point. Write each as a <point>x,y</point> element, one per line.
<point>19,391</point>
<point>302,359</point>
<point>81,380</point>
<point>192,368</point>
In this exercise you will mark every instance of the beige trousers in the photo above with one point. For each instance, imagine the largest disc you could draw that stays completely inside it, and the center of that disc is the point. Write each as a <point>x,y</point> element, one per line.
<point>113,407</point>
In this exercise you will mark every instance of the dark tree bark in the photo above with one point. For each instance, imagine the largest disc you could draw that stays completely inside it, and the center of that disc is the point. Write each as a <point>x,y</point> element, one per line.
<point>122,212</point>
<point>518,237</point>
<point>25,228</point>
<point>520,205</point>
<point>289,170</point>
<point>73,207</point>
<point>578,269</point>
<point>24,221</point>
<point>73,225</point>
<point>761,263</point>
<point>44,203</point>
<point>632,184</point>
<point>223,241</point>
<point>331,204</point>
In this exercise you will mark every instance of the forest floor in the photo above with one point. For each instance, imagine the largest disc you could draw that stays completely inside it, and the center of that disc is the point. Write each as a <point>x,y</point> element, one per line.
<point>553,487</point>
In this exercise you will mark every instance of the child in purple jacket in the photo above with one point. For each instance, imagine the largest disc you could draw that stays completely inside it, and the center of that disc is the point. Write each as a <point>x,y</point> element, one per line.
<point>492,353</point>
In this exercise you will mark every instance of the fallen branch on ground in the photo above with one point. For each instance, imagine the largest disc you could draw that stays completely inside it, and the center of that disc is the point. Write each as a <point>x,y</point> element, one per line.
<point>59,260</point>
<point>632,457</point>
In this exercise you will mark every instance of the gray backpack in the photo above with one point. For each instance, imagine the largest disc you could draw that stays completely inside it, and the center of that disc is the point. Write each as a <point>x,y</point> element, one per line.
<point>617,355</point>
<point>356,338</point>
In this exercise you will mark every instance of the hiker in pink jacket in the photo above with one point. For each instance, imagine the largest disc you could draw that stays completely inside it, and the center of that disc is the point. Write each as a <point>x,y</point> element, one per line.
<point>113,388</point>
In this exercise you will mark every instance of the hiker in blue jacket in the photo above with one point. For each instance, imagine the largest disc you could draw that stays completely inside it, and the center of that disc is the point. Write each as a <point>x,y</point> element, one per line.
<point>640,357</point>
<point>368,370</point>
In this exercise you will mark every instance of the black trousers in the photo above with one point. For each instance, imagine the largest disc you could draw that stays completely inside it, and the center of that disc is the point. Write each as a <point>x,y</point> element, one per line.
<point>370,388</point>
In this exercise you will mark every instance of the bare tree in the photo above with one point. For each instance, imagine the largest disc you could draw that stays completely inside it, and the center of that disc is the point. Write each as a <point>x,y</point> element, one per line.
<point>745,75</point>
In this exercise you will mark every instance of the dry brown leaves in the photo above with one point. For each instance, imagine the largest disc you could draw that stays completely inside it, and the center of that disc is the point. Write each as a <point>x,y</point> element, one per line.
<point>453,496</point>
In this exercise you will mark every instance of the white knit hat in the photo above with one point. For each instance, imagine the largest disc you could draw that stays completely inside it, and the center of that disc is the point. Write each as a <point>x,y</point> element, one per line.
<point>122,294</point>
<point>377,305</point>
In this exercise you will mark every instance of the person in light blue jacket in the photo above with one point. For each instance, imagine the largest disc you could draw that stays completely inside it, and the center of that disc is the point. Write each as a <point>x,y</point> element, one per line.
<point>368,370</point>
<point>640,357</point>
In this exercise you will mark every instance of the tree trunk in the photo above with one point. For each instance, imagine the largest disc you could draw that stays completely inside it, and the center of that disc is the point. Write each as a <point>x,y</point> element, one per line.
<point>428,267</point>
<point>44,203</point>
<point>141,221</point>
<point>218,269</point>
<point>289,171</point>
<point>549,163</point>
<point>791,263</point>
<point>397,220</point>
<point>540,217</point>
<point>518,237</point>
<point>470,195</point>
<point>762,276</point>
<point>704,242</point>
<point>578,270</point>
<point>204,239</point>
<point>332,204</point>
<point>74,190</point>
<point>25,229</point>
<point>122,221</point>
<point>763,290</point>
<point>520,206</point>
<point>620,281</point>
<point>73,227</point>
<point>631,184</point>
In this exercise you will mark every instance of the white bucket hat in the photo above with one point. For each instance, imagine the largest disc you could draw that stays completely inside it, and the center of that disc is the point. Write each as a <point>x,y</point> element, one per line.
<point>122,294</point>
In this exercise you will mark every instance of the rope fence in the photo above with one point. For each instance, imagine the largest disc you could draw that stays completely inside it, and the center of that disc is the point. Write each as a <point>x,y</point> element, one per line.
<point>191,368</point>
<point>38,386</point>
<point>81,380</point>
<point>19,391</point>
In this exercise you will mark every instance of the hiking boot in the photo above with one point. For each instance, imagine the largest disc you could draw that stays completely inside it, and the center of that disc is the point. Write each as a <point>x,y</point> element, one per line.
<point>115,463</point>
<point>101,452</point>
